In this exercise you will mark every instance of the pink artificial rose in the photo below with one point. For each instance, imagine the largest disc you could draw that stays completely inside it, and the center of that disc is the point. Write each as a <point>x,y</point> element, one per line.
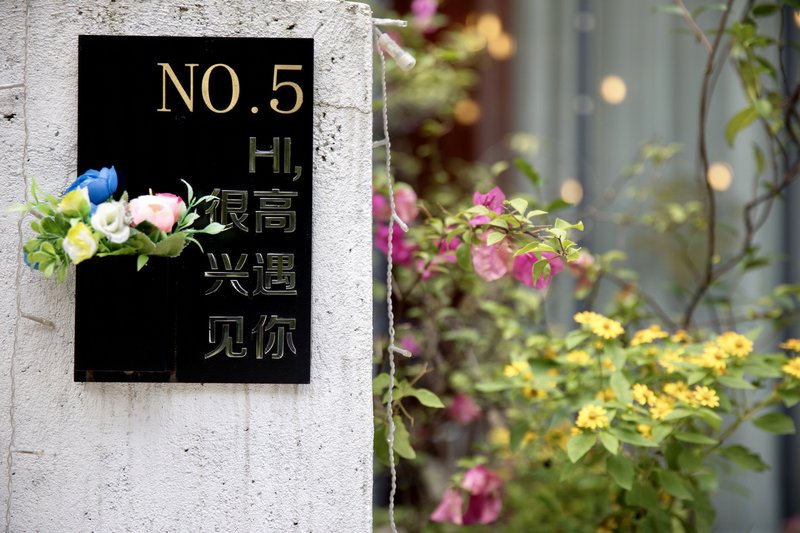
<point>523,265</point>
<point>449,509</point>
<point>402,251</point>
<point>161,210</point>
<point>492,200</point>
<point>405,203</point>
<point>463,409</point>
<point>380,208</point>
<point>491,262</point>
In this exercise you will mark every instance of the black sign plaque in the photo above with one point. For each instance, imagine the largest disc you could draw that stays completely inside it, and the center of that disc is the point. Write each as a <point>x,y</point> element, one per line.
<point>234,118</point>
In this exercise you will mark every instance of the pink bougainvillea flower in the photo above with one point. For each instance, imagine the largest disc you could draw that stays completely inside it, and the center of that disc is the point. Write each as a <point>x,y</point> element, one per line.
<point>402,251</point>
<point>491,262</point>
<point>428,269</point>
<point>481,480</point>
<point>408,342</point>
<point>449,509</point>
<point>492,200</point>
<point>463,409</point>
<point>405,203</point>
<point>523,265</point>
<point>482,509</point>
<point>380,208</point>
<point>423,11</point>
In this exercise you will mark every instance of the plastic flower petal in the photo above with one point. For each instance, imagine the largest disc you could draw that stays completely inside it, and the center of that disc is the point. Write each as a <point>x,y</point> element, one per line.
<point>79,243</point>
<point>109,219</point>
<point>160,211</point>
<point>100,184</point>
<point>75,203</point>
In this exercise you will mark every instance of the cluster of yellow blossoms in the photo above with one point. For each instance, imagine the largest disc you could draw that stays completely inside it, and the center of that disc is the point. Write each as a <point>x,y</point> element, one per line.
<point>793,366</point>
<point>592,417</point>
<point>600,325</point>
<point>648,335</point>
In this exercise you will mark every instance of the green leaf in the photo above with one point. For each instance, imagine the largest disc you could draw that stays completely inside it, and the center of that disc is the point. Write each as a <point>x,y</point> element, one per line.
<point>380,446</point>
<point>621,387</point>
<point>172,246</point>
<point>463,258</point>
<point>777,423</point>
<point>402,440</point>
<point>740,121</point>
<point>380,383</point>
<point>765,10</point>
<point>632,437</point>
<point>426,398</point>
<point>495,237</point>
<point>694,438</point>
<point>575,338</point>
<point>141,261</point>
<point>744,458</point>
<point>642,495</point>
<point>578,445</point>
<point>213,229</point>
<point>696,376</point>
<point>735,383</point>
<point>620,468</point>
<point>530,172</point>
<point>758,154</point>
<point>492,386</point>
<point>673,483</point>
<point>541,268</point>
<point>189,192</point>
<point>519,204</point>
<point>610,442</point>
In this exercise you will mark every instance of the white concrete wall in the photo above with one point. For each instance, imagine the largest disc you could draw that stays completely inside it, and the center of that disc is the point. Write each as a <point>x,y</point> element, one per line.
<point>177,457</point>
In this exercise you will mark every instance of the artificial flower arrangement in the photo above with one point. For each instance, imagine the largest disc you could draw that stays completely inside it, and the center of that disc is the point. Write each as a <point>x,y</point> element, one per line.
<point>87,222</point>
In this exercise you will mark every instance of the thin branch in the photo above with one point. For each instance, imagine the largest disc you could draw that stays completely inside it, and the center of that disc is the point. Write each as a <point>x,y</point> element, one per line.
<point>711,207</point>
<point>649,300</point>
<point>687,16</point>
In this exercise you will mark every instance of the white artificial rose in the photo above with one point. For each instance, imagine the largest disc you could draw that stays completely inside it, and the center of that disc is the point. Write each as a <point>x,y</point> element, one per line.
<point>79,244</point>
<point>109,219</point>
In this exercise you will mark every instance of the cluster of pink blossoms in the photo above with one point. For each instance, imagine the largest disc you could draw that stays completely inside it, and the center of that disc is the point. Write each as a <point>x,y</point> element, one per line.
<point>483,507</point>
<point>492,262</point>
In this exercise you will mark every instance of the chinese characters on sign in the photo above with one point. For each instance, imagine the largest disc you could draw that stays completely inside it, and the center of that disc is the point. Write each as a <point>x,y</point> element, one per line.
<point>233,116</point>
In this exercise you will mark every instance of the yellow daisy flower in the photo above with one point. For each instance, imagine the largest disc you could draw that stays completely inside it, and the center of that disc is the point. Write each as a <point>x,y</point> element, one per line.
<point>516,368</point>
<point>643,395</point>
<point>592,417</point>
<point>646,336</point>
<point>735,344</point>
<point>793,345</point>
<point>578,357</point>
<point>607,328</point>
<point>793,367</point>
<point>678,390</point>
<point>645,430</point>
<point>587,317</point>
<point>705,396</point>
<point>663,406</point>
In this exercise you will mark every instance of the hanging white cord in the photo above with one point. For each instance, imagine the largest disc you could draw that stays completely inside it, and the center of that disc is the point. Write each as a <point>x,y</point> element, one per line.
<point>387,143</point>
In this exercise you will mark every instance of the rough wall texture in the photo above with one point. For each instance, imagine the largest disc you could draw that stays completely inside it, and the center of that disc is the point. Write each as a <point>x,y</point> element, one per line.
<point>173,457</point>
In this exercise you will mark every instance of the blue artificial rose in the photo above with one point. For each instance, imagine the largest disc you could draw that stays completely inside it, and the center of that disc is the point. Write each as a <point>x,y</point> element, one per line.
<point>34,266</point>
<point>100,184</point>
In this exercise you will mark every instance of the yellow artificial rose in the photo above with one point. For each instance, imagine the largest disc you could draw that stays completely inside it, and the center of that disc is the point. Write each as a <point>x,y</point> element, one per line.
<point>79,243</point>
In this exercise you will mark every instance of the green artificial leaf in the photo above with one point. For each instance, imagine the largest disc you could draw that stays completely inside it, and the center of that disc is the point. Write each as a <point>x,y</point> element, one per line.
<point>141,261</point>
<point>189,192</point>
<point>694,438</point>
<point>673,483</point>
<point>620,468</point>
<point>172,246</point>
<point>213,229</point>
<point>610,442</point>
<point>777,423</point>
<point>402,440</point>
<point>621,387</point>
<point>530,172</point>
<point>744,458</point>
<point>578,445</point>
<point>740,121</point>
<point>426,398</point>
